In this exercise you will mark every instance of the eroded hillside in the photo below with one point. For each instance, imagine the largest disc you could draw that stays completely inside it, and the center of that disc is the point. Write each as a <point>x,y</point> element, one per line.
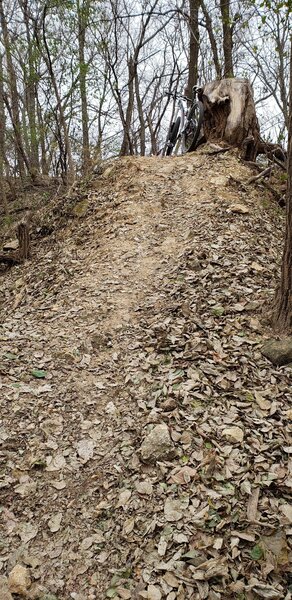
<point>145,440</point>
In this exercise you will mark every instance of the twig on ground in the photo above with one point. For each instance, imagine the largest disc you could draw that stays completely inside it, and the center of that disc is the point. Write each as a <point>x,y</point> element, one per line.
<point>263,173</point>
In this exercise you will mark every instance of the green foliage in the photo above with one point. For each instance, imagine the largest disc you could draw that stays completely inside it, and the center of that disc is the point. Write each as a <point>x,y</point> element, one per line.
<point>257,552</point>
<point>218,311</point>
<point>38,373</point>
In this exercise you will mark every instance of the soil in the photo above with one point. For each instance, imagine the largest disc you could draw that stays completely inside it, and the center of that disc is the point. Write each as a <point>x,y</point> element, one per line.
<point>147,304</point>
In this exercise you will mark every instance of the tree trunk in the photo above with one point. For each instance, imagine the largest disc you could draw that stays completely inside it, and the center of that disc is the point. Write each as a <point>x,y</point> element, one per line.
<point>230,115</point>
<point>283,303</point>
<point>3,197</point>
<point>31,81</point>
<point>127,145</point>
<point>42,139</point>
<point>227,38</point>
<point>212,40</point>
<point>13,93</point>
<point>194,46</point>
<point>82,13</point>
<point>141,117</point>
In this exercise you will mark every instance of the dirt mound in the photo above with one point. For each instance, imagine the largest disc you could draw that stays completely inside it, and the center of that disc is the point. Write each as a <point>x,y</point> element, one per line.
<point>138,323</point>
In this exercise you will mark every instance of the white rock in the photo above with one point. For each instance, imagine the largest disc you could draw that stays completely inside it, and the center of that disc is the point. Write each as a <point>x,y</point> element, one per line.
<point>157,445</point>
<point>19,580</point>
<point>239,208</point>
<point>85,449</point>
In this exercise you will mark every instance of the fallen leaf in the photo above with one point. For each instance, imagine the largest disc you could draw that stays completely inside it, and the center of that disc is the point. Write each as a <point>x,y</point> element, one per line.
<point>128,526</point>
<point>27,531</point>
<point>265,591</point>
<point>39,373</point>
<point>233,434</point>
<point>55,463</point>
<point>252,505</point>
<point>144,488</point>
<point>257,552</point>
<point>173,509</point>
<point>54,522</point>
<point>153,592</point>
<point>183,476</point>
<point>124,498</point>
<point>262,402</point>
<point>286,509</point>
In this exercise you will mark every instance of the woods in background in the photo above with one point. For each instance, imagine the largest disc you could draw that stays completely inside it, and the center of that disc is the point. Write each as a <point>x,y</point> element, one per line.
<point>80,78</point>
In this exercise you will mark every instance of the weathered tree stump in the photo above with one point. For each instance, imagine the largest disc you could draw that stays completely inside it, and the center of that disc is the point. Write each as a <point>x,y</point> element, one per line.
<point>23,252</point>
<point>230,115</point>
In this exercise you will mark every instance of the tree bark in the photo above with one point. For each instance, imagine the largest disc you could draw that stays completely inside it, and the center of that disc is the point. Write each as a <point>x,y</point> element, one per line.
<point>30,93</point>
<point>127,145</point>
<point>13,93</point>
<point>142,132</point>
<point>230,115</point>
<point>283,301</point>
<point>194,46</point>
<point>82,14</point>
<point>227,38</point>
<point>3,197</point>
<point>212,39</point>
<point>23,252</point>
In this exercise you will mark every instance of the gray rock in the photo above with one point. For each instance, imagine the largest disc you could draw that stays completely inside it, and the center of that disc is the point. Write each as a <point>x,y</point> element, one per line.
<point>157,445</point>
<point>279,352</point>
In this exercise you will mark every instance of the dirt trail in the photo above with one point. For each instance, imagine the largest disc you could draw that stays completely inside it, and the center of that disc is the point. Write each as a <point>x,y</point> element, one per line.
<point>147,310</point>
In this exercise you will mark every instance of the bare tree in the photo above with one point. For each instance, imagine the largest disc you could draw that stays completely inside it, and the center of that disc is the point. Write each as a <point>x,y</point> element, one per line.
<point>194,45</point>
<point>283,309</point>
<point>83,11</point>
<point>2,142</point>
<point>66,158</point>
<point>12,103</point>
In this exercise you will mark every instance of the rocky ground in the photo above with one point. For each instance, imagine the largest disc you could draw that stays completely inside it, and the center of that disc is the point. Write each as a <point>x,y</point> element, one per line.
<point>145,440</point>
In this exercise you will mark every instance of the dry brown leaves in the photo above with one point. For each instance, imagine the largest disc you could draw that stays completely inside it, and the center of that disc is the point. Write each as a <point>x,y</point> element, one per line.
<point>147,311</point>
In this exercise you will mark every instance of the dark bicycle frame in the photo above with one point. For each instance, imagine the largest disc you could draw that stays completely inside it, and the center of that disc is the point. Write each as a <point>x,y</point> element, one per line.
<point>185,119</point>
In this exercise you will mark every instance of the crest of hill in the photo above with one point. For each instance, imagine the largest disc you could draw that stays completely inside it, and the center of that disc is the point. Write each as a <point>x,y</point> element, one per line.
<point>201,175</point>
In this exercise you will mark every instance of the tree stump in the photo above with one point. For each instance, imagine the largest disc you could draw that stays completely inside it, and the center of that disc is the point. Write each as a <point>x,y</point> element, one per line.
<point>230,115</point>
<point>23,252</point>
<point>24,241</point>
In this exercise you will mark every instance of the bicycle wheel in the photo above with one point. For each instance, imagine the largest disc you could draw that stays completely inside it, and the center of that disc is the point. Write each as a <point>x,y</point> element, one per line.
<point>172,136</point>
<point>191,133</point>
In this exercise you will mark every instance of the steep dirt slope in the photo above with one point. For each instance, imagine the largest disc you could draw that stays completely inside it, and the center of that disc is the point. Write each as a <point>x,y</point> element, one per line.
<point>146,310</point>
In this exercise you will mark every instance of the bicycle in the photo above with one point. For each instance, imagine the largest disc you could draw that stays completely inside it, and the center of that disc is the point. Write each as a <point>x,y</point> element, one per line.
<point>185,128</point>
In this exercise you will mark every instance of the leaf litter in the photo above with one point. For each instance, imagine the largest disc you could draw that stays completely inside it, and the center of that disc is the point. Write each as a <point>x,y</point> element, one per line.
<point>154,461</point>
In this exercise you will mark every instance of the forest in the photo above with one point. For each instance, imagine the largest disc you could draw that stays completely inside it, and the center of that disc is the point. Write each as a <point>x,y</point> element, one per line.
<point>82,79</point>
